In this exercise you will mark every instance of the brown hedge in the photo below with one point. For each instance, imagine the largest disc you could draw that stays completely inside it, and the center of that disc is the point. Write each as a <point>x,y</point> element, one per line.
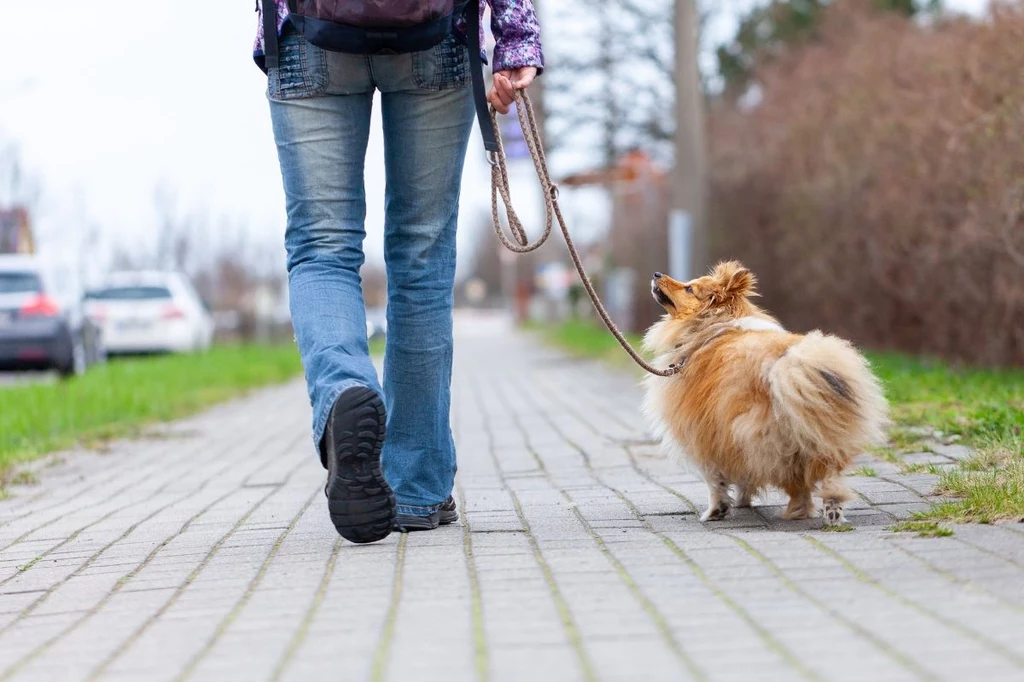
<point>878,187</point>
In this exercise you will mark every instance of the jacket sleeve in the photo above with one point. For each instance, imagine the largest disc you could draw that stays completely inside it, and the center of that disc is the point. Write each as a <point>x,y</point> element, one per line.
<point>282,13</point>
<point>516,35</point>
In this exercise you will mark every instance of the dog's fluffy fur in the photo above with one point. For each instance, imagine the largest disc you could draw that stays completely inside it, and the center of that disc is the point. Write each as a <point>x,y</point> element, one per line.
<point>754,406</point>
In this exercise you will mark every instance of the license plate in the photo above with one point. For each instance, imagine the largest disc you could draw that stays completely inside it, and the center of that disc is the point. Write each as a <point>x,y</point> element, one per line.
<point>133,325</point>
<point>6,318</point>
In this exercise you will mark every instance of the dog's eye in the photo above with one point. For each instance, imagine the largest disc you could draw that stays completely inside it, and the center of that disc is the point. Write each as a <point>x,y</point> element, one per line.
<point>688,289</point>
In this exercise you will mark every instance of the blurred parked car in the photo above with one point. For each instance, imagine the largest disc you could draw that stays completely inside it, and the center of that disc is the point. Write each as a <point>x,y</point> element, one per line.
<point>150,312</point>
<point>40,326</point>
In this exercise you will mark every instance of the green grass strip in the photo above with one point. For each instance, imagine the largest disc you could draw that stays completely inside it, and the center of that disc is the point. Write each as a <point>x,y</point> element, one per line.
<point>121,397</point>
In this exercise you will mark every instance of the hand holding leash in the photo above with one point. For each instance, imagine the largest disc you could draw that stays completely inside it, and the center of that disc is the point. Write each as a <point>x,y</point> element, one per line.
<point>506,83</point>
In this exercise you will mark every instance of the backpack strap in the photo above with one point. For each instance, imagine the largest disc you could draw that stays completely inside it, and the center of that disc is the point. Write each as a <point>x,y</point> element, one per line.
<point>271,52</point>
<point>476,67</point>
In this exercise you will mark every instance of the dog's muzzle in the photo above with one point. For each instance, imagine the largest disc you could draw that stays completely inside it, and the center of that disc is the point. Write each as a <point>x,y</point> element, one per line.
<point>658,294</point>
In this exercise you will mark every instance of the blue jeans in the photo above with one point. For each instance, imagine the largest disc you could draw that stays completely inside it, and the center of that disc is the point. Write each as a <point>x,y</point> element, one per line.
<point>320,105</point>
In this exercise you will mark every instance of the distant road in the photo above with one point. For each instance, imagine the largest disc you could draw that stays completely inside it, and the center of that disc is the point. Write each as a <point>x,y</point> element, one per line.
<point>21,378</point>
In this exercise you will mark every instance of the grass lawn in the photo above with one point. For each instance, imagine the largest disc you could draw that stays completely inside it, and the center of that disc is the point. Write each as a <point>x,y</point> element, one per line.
<point>983,408</point>
<point>588,339</point>
<point>123,396</point>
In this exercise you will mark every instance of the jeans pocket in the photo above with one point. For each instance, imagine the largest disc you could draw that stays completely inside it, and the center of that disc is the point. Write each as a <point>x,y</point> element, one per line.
<point>443,67</point>
<point>302,71</point>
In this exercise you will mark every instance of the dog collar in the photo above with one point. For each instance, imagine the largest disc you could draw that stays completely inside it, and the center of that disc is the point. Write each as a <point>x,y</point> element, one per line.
<point>679,364</point>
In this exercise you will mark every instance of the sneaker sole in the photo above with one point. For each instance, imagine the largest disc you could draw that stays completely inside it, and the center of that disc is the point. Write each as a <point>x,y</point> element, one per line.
<point>359,499</point>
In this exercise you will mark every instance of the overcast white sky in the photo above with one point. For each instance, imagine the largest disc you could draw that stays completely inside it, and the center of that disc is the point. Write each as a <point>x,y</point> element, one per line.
<point>107,105</point>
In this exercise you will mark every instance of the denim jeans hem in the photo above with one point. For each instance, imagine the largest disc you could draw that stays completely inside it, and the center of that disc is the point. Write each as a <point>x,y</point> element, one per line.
<point>411,510</point>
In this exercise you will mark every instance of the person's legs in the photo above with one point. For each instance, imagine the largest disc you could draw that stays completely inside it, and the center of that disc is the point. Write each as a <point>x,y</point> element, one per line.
<point>428,114</point>
<point>321,126</point>
<point>321,143</point>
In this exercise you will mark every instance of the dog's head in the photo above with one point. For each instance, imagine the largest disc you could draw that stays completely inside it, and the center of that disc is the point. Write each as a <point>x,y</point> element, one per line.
<point>724,292</point>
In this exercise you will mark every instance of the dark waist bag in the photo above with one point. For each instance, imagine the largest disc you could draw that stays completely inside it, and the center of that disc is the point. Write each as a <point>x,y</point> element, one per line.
<point>385,27</point>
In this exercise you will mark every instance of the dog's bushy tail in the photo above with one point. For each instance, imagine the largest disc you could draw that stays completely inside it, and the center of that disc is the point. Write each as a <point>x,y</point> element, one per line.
<point>825,391</point>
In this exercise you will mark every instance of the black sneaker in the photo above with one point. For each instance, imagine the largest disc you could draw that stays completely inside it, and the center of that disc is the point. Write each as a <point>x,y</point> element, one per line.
<point>360,501</point>
<point>445,515</point>
<point>448,514</point>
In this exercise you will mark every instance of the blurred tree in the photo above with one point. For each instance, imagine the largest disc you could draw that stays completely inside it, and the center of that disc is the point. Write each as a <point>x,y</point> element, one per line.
<point>375,285</point>
<point>17,188</point>
<point>489,265</point>
<point>771,27</point>
<point>610,87</point>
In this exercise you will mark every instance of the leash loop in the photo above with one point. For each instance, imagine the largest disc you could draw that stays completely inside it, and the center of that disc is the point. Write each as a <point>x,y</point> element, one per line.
<point>552,213</point>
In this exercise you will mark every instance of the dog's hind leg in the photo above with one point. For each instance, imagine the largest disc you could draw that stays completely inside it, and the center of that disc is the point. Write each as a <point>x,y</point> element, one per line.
<point>743,495</point>
<point>719,500</point>
<point>834,493</point>
<point>801,506</point>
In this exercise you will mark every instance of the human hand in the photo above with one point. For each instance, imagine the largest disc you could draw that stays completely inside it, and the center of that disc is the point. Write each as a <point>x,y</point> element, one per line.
<point>503,89</point>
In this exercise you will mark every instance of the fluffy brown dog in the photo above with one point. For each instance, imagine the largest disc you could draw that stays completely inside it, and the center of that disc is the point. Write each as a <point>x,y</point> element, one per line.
<point>753,405</point>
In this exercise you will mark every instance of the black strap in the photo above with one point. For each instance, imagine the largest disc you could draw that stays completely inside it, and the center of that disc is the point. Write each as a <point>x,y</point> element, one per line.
<point>476,67</point>
<point>271,53</point>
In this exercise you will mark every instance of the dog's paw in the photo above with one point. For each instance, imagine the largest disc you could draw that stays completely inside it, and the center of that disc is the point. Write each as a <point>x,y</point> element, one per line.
<point>716,513</point>
<point>833,513</point>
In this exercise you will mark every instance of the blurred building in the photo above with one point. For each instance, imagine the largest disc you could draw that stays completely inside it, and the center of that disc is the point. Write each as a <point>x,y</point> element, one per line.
<point>16,231</point>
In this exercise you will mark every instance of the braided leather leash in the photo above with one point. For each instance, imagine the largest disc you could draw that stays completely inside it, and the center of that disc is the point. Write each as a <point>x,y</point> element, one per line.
<point>500,187</point>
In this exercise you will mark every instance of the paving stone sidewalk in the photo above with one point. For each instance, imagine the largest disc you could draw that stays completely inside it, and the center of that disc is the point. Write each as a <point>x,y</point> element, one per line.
<point>206,553</point>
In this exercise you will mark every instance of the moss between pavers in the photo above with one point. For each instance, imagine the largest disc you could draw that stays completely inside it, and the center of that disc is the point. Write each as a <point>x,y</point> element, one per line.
<point>923,529</point>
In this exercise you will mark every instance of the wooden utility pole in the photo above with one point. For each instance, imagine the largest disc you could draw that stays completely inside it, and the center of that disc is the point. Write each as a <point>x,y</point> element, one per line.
<point>688,236</point>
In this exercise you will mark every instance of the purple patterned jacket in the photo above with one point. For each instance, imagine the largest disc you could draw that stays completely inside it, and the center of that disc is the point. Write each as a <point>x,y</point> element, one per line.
<point>513,23</point>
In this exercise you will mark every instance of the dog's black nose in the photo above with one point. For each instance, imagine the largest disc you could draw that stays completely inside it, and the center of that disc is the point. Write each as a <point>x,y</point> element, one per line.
<point>658,275</point>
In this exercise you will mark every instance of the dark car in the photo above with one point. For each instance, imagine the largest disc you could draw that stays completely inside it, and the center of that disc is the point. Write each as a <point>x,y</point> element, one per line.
<point>38,330</point>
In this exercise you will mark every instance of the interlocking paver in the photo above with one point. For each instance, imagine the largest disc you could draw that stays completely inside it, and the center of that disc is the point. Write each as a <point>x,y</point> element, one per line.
<point>206,554</point>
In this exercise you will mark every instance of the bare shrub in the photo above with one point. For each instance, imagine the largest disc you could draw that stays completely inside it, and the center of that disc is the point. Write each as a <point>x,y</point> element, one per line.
<point>878,187</point>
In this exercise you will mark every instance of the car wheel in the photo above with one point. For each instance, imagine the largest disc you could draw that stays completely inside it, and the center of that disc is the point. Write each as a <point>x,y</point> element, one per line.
<point>101,354</point>
<point>98,350</point>
<point>78,363</point>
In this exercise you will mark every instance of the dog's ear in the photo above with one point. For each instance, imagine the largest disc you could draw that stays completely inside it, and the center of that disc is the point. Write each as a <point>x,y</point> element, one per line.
<point>732,281</point>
